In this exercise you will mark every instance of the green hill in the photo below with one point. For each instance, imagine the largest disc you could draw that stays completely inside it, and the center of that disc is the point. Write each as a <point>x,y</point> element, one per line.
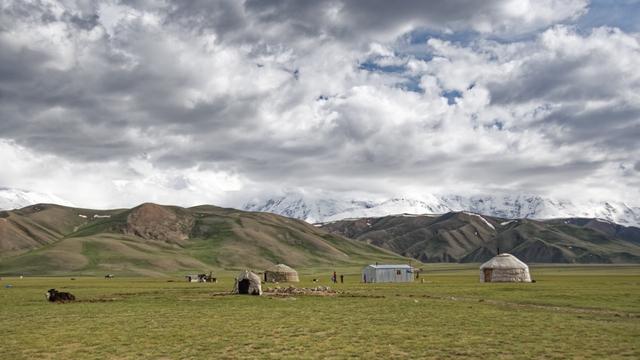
<point>152,239</point>
<point>467,237</point>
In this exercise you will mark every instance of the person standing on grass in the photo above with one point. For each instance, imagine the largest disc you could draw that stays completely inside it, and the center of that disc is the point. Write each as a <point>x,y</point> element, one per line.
<point>341,279</point>
<point>334,278</point>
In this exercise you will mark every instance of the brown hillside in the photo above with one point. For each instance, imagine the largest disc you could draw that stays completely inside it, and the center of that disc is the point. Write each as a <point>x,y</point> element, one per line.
<point>156,222</point>
<point>152,239</point>
<point>466,237</point>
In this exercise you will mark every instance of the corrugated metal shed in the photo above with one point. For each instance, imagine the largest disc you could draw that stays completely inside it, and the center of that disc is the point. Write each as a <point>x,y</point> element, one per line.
<point>387,273</point>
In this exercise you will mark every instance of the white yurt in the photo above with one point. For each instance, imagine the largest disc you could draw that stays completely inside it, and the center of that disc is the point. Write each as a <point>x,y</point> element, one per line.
<point>504,268</point>
<point>281,273</point>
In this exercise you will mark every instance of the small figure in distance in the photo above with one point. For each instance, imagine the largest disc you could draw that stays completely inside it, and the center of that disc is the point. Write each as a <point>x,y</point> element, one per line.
<point>341,279</point>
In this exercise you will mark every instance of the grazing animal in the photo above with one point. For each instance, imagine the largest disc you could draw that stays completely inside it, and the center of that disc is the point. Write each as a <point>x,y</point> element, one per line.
<point>315,280</point>
<point>108,276</point>
<point>54,295</point>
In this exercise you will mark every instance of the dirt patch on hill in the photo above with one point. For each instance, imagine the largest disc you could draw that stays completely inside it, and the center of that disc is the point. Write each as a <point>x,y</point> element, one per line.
<point>155,222</point>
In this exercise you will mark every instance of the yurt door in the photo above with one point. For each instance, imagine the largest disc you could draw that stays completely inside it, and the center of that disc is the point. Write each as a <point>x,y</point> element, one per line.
<point>487,275</point>
<point>243,286</point>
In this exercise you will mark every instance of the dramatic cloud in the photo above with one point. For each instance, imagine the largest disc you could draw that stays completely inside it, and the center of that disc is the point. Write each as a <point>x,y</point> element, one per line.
<point>209,101</point>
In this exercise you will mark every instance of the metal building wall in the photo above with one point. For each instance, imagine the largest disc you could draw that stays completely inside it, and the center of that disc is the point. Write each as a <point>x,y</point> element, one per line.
<point>369,273</point>
<point>378,275</point>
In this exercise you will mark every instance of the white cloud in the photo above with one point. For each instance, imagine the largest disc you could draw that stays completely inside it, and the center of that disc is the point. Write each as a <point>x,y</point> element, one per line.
<point>186,105</point>
<point>114,184</point>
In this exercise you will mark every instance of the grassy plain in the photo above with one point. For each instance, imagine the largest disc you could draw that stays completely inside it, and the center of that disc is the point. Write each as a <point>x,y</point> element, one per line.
<point>570,312</point>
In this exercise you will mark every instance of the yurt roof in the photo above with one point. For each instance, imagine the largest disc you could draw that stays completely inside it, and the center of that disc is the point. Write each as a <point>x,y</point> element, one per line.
<point>249,275</point>
<point>281,268</point>
<point>504,261</point>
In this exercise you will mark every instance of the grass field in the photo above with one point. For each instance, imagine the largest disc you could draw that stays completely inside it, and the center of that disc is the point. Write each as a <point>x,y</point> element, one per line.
<point>570,312</point>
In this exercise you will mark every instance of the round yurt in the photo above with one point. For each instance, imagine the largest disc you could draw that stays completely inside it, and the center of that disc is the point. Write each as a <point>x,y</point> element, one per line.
<point>247,283</point>
<point>280,273</point>
<point>504,268</point>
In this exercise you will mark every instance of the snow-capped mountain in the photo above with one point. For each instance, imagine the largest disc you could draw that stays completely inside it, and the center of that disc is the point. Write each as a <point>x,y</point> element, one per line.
<point>311,210</point>
<point>17,198</point>
<point>314,210</point>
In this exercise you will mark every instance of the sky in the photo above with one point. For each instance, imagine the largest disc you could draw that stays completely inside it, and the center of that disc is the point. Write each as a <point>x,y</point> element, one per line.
<point>115,103</point>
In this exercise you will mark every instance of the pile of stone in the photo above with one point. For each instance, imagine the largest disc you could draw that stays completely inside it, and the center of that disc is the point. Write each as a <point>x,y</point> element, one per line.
<point>291,290</point>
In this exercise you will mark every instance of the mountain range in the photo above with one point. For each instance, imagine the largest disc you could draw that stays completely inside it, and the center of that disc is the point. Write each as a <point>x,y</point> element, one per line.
<point>315,209</point>
<point>152,239</point>
<point>521,206</point>
<point>469,237</point>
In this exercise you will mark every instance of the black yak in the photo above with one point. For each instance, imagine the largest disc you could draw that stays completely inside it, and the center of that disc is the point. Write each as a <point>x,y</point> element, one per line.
<point>54,295</point>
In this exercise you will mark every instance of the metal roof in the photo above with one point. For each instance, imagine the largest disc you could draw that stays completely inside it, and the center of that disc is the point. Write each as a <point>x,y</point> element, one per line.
<point>401,266</point>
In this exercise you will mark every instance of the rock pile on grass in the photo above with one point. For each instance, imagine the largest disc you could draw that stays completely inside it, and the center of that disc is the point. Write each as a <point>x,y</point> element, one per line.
<point>292,290</point>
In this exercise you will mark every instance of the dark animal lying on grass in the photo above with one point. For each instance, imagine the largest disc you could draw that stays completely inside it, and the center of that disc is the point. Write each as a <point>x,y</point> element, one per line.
<point>54,295</point>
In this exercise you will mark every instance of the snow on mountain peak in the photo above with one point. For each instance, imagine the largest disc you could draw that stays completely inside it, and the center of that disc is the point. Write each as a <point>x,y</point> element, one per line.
<point>511,206</point>
<point>490,225</point>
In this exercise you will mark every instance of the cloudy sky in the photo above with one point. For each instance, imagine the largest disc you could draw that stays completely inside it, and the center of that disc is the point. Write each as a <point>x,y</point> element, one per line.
<point>118,102</point>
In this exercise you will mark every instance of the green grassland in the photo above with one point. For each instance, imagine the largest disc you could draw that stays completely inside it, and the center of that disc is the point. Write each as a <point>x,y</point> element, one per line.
<point>570,312</point>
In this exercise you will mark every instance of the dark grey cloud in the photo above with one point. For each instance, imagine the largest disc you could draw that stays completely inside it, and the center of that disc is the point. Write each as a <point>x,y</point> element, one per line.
<point>219,17</point>
<point>612,127</point>
<point>533,175</point>
<point>558,81</point>
<point>354,21</point>
<point>586,76</point>
<point>87,22</point>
